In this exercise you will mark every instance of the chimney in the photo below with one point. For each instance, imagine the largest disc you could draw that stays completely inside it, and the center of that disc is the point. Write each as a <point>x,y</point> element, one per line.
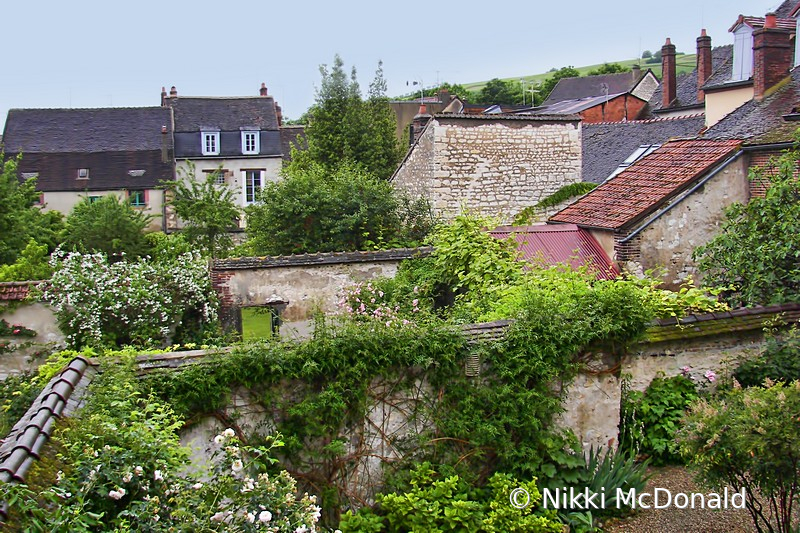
<point>279,114</point>
<point>636,72</point>
<point>173,92</point>
<point>421,119</point>
<point>704,63</point>
<point>668,90</point>
<point>772,55</point>
<point>164,145</point>
<point>163,97</point>
<point>263,90</point>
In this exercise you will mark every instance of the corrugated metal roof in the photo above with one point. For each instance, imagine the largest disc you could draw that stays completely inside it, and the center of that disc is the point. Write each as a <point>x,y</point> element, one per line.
<point>648,184</point>
<point>560,244</point>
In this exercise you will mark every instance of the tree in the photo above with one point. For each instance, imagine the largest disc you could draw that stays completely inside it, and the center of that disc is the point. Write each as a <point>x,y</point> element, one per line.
<point>608,68</point>
<point>757,255</point>
<point>109,225</point>
<point>647,54</point>
<point>497,91</point>
<point>549,84</point>
<point>342,127</point>
<point>20,219</point>
<point>318,210</point>
<point>207,209</point>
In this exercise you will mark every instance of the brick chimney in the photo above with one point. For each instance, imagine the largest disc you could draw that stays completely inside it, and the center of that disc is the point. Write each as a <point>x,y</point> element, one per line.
<point>704,63</point>
<point>636,72</point>
<point>421,119</point>
<point>279,114</point>
<point>173,92</point>
<point>163,97</point>
<point>772,55</point>
<point>263,90</point>
<point>668,76</point>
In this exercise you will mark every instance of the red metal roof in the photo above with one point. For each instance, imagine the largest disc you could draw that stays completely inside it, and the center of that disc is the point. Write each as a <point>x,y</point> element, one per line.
<point>563,243</point>
<point>647,184</point>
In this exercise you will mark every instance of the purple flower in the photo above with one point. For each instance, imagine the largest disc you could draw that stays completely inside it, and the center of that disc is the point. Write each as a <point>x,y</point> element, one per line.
<point>710,376</point>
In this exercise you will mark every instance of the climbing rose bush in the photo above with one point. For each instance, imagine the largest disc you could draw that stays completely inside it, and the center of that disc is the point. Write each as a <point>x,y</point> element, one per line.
<point>139,302</point>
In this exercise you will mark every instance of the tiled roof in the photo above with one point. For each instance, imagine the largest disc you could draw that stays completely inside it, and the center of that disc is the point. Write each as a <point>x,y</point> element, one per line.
<point>642,188</point>
<point>59,398</point>
<point>292,135</point>
<point>16,291</point>
<point>607,144</point>
<point>787,8</point>
<point>586,86</point>
<point>686,83</point>
<point>560,244</point>
<point>763,119</point>
<point>576,106</point>
<point>121,129</point>
<point>194,114</point>
<point>758,22</point>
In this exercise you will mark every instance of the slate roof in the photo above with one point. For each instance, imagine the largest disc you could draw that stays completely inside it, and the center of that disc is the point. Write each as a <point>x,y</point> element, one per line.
<point>59,398</point>
<point>292,135</point>
<point>576,106</point>
<point>559,244</point>
<point>758,22</point>
<point>197,113</point>
<point>762,122</point>
<point>586,86</point>
<point>113,129</point>
<point>607,144</point>
<point>686,82</point>
<point>787,8</point>
<point>647,185</point>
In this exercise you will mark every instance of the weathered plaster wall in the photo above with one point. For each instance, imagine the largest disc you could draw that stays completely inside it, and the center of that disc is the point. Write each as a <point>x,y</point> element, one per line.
<point>64,201</point>
<point>669,241</point>
<point>493,167</point>
<point>30,352</point>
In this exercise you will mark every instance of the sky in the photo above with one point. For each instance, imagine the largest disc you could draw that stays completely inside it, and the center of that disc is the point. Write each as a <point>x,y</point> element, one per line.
<point>90,53</point>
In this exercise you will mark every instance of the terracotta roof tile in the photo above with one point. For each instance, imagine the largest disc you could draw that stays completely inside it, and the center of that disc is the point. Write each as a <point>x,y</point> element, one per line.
<point>649,183</point>
<point>16,291</point>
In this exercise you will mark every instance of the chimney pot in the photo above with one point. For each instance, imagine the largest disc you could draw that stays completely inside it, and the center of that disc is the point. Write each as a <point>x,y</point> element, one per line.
<point>173,92</point>
<point>263,90</point>
<point>770,21</point>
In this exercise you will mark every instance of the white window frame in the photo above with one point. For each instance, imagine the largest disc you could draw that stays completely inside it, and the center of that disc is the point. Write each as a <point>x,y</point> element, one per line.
<point>251,142</point>
<point>209,142</point>
<point>249,188</point>
<point>742,53</point>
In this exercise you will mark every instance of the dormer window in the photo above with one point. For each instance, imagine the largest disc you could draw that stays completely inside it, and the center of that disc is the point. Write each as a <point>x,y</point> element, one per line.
<point>742,53</point>
<point>83,173</point>
<point>210,142</point>
<point>250,142</point>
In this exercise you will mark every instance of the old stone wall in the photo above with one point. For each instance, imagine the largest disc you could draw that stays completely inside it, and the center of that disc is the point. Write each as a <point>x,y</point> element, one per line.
<point>25,354</point>
<point>493,166</point>
<point>310,282</point>
<point>669,241</point>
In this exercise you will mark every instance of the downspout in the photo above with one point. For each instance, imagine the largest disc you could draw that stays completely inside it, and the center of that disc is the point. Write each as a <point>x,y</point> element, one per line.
<point>683,196</point>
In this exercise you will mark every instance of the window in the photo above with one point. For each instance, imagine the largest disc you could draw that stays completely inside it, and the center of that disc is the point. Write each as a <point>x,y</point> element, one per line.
<point>253,182</point>
<point>742,53</point>
<point>83,173</point>
<point>137,198</point>
<point>250,142</point>
<point>210,141</point>
<point>220,174</point>
<point>93,199</point>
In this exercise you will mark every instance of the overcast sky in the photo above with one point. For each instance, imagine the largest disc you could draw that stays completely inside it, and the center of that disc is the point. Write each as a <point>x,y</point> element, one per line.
<point>91,53</point>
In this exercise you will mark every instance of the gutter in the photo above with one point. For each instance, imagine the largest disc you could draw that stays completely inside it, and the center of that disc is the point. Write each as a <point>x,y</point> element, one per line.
<point>684,195</point>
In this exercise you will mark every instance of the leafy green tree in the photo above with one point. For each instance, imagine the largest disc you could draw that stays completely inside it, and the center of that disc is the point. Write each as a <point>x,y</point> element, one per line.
<point>318,210</point>
<point>647,54</point>
<point>31,264</point>
<point>20,218</point>
<point>208,210</point>
<point>342,127</point>
<point>549,84</point>
<point>757,255</point>
<point>497,91</point>
<point>608,68</point>
<point>109,225</point>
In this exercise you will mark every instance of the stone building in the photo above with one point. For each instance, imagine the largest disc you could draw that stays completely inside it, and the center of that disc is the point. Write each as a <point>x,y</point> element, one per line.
<point>493,165</point>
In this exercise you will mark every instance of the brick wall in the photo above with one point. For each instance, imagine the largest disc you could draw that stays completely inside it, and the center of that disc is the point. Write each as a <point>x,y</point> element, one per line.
<point>616,110</point>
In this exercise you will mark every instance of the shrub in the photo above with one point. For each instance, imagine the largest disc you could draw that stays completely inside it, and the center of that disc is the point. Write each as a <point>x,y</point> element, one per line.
<point>780,361</point>
<point>749,439</point>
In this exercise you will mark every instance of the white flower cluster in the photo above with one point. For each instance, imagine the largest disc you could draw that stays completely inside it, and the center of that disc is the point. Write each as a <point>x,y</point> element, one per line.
<point>142,299</point>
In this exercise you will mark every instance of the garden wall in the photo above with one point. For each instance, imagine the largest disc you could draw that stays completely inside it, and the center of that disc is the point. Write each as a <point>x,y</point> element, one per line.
<point>309,282</point>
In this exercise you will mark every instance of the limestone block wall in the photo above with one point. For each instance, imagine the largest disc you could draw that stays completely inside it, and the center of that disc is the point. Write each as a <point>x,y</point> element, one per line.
<point>492,166</point>
<point>670,240</point>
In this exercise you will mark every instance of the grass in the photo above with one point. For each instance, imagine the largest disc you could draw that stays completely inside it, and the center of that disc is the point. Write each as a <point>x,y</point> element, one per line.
<point>255,323</point>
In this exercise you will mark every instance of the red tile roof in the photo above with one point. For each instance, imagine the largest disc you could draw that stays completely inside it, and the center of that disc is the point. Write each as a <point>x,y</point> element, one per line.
<point>15,291</point>
<point>646,185</point>
<point>563,243</point>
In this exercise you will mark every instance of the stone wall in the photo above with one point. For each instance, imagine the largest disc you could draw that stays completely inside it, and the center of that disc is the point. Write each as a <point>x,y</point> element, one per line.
<point>492,166</point>
<point>310,282</point>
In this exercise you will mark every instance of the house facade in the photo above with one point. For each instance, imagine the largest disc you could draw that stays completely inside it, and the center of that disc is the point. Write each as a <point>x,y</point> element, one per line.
<point>238,137</point>
<point>77,153</point>
<point>492,165</point>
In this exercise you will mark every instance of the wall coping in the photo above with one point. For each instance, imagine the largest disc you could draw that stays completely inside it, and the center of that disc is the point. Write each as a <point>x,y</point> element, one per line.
<point>323,258</point>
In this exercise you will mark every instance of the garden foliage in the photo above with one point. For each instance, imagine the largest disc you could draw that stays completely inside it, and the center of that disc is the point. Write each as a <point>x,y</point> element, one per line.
<point>142,302</point>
